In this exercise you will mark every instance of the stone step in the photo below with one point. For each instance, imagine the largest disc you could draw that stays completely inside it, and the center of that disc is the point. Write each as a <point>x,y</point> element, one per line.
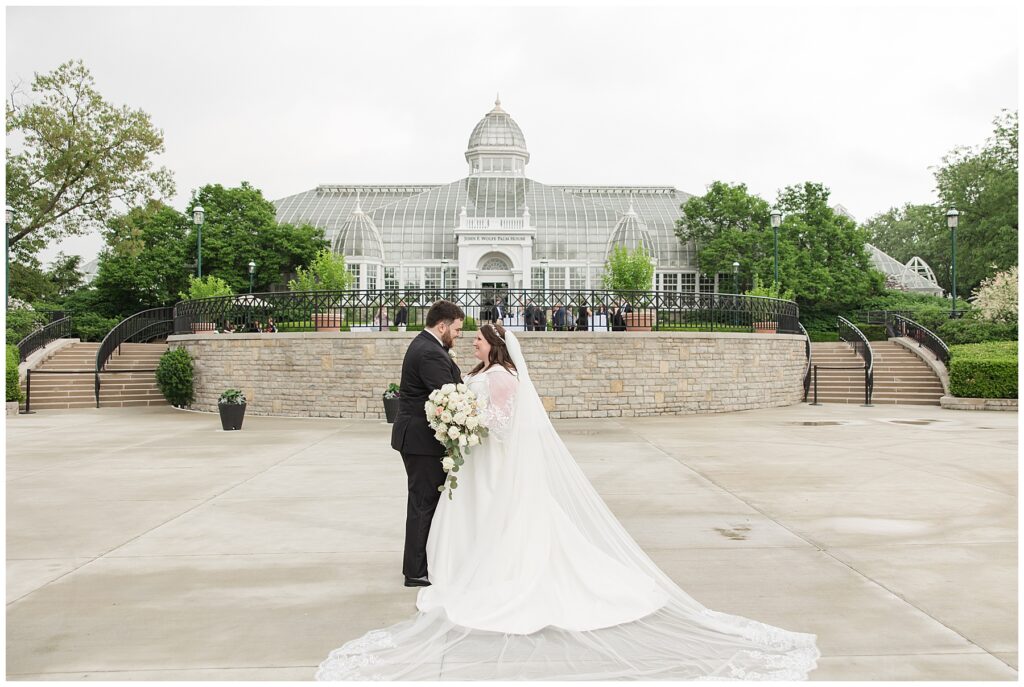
<point>90,392</point>
<point>58,405</point>
<point>880,393</point>
<point>874,401</point>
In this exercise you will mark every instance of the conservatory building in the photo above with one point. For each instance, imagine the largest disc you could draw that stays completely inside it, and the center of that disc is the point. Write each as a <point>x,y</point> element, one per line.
<point>496,227</point>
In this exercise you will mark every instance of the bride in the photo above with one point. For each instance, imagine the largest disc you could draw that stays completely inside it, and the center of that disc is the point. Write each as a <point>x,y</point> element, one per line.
<point>534,578</point>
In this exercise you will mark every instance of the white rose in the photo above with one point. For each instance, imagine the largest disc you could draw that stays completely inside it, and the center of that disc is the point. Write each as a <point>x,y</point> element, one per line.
<point>462,440</point>
<point>446,417</point>
<point>454,398</point>
<point>461,388</point>
<point>447,463</point>
<point>434,395</point>
<point>447,389</point>
<point>460,418</point>
<point>430,408</point>
<point>474,440</point>
<point>472,422</point>
<point>440,435</point>
<point>453,432</point>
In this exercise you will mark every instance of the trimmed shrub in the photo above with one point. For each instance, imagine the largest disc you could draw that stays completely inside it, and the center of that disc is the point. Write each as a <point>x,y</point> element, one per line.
<point>970,331</point>
<point>22,322</point>
<point>174,376</point>
<point>874,332</point>
<point>986,370</point>
<point>93,327</point>
<point>13,388</point>
<point>818,336</point>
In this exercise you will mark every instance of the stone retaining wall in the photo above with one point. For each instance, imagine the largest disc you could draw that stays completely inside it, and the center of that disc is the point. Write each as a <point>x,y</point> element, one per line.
<point>588,374</point>
<point>958,403</point>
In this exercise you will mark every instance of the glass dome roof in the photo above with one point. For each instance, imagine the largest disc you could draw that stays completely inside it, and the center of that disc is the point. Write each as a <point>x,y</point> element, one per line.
<point>497,130</point>
<point>631,232</point>
<point>358,237</point>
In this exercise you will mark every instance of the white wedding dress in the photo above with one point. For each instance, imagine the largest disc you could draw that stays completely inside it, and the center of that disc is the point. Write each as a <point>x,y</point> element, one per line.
<point>533,577</point>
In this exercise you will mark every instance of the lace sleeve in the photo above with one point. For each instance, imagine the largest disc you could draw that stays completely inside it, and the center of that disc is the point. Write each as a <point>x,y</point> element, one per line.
<point>501,391</point>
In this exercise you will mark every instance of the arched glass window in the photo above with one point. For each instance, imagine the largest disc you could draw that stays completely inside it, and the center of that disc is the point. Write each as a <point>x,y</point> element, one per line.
<point>495,265</point>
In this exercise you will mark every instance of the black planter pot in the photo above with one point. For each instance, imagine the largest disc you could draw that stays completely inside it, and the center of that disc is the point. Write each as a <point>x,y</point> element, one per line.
<point>231,415</point>
<point>391,409</point>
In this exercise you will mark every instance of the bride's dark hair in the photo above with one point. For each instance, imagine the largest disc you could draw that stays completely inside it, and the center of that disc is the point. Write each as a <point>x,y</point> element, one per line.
<point>498,355</point>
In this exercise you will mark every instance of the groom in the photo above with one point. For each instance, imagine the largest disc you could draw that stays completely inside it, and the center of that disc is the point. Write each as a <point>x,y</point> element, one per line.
<point>427,366</point>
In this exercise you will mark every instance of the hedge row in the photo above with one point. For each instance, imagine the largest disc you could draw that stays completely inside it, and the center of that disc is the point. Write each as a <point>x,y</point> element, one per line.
<point>13,358</point>
<point>985,370</point>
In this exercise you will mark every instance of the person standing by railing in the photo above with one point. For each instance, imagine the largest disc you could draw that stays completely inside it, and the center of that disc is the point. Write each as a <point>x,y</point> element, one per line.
<point>380,320</point>
<point>583,318</point>
<point>402,316</point>
<point>559,317</point>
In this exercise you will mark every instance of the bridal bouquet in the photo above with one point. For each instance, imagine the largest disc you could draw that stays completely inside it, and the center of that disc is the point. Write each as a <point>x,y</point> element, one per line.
<point>453,412</point>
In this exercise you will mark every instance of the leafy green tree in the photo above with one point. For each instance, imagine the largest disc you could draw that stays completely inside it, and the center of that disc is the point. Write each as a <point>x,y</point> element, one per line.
<point>240,227</point>
<point>822,260</point>
<point>64,274</point>
<point>982,185</point>
<point>79,156</point>
<point>30,283</point>
<point>729,224</point>
<point>209,286</point>
<point>825,263</point>
<point>326,272</point>
<point>627,270</point>
<point>144,263</point>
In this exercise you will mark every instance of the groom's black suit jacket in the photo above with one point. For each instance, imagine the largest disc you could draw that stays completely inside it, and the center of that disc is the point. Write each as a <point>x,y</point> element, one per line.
<point>427,366</point>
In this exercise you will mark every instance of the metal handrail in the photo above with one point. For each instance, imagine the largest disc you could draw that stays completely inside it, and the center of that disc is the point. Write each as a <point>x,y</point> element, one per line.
<point>807,351</point>
<point>849,333</point>
<point>138,328</point>
<point>43,336</point>
<point>376,309</point>
<point>904,326</point>
<point>878,316</point>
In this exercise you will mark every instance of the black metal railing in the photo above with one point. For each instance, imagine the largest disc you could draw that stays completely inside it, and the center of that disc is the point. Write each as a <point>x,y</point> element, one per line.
<point>139,328</point>
<point>562,310</point>
<point>885,316</point>
<point>807,352</point>
<point>849,333</point>
<point>44,335</point>
<point>904,326</point>
<point>878,316</point>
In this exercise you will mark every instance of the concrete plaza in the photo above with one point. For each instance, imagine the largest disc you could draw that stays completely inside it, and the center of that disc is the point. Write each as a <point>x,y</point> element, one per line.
<point>146,543</point>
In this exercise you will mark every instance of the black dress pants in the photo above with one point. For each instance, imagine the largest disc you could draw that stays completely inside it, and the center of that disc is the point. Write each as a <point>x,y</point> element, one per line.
<point>425,476</point>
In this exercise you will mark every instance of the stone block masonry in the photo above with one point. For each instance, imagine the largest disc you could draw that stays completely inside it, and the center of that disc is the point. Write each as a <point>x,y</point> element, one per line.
<point>578,374</point>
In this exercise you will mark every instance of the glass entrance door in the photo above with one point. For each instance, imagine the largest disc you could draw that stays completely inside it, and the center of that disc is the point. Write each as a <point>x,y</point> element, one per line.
<point>493,301</point>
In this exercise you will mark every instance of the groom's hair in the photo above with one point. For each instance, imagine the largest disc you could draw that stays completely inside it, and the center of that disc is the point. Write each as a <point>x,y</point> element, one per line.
<point>444,311</point>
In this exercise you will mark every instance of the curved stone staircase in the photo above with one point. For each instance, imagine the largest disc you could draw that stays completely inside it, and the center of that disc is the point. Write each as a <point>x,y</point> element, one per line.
<point>78,390</point>
<point>901,377</point>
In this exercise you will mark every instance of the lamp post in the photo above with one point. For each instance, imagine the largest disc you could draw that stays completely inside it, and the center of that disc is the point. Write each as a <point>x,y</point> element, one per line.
<point>735,277</point>
<point>252,270</point>
<point>197,219</point>
<point>7,255</point>
<point>544,266</point>
<point>444,274</point>
<point>952,219</point>
<point>776,222</point>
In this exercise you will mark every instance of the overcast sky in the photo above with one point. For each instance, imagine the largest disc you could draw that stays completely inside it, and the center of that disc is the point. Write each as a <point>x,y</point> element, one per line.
<point>864,99</point>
